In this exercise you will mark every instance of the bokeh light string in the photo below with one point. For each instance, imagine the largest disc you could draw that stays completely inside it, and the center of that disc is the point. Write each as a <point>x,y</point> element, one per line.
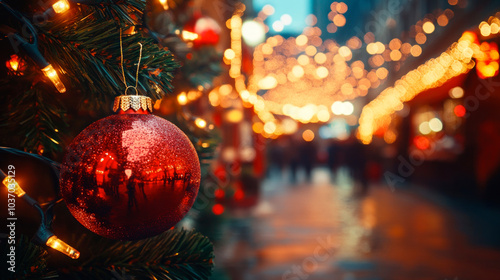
<point>455,61</point>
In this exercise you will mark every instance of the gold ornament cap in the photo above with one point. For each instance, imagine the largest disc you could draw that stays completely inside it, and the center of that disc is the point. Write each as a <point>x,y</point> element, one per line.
<point>134,102</point>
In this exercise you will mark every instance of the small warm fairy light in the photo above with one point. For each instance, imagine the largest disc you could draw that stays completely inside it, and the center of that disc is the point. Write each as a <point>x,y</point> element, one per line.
<point>189,36</point>
<point>59,245</point>
<point>182,99</point>
<point>130,31</point>
<point>308,135</point>
<point>61,6</point>
<point>269,127</point>
<point>234,116</point>
<point>165,4</point>
<point>51,73</point>
<point>13,64</point>
<point>229,54</point>
<point>456,92</point>
<point>12,184</point>
<point>16,65</point>
<point>201,123</point>
<point>428,27</point>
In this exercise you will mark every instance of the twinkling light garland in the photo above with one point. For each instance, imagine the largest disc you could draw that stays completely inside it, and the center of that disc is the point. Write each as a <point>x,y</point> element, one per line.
<point>455,61</point>
<point>304,77</point>
<point>301,73</point>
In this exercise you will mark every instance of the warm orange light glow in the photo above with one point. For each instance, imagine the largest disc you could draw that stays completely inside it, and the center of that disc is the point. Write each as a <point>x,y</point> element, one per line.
<point>420,38</point>
<point>301,40</point>
<point>229,54</point>
<point>406,48</point>
<point>234,116</point>
<point>320,58</point>
<point>416,50</point>
<point>322,72</point>
<point>165,4</point>
<point>308,135</point>
<point>298,71</point>
<point>395,55</point>
<point>428,27</point>
<point>51,73</point>
<point>442,20</point>
<point>189,36</point>
<point>268,82</point>
<point>390,137</point>
<point>61,6</point>
<point>182,98</point>
<point>456,92</point>
<point>201,123</point>
<point>311,50</point>
<point>331,28</point>
<point>12,184</point>
<point>258,127</point>
<point>59,245</point>
<point>485,30</point>
<point>395,44</point>
<point>14,64</point>
<point>269,127</point>
<point>339,20</point>
<point>323,115</point>
<point>345,52</point>
<point>341,7</point>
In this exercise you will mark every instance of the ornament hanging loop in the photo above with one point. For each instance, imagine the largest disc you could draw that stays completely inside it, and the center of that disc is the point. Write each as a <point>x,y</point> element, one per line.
<point>123,70</point>
<point>131,87</point>
<point>135,102</point>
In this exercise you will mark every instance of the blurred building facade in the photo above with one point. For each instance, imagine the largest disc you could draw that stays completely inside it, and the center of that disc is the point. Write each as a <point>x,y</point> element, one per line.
<point>455,154</point>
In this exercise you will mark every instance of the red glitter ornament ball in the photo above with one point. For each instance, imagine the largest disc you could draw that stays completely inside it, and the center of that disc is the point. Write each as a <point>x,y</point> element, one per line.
<point>131,175</point>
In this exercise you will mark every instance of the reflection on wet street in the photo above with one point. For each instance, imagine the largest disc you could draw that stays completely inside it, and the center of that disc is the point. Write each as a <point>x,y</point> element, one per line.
<point>324,230</point>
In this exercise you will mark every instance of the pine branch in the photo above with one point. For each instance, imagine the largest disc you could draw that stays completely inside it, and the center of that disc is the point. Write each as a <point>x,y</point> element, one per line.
<point>30,260</point>
<point>87,48</point>
<point>199,66</point>
<point>37,114</point>
<point>203,67</point>
<point>128,12</point>
<point>175,254</point>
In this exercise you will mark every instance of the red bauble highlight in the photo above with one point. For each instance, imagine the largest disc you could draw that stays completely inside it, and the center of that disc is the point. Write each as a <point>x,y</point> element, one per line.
<point>130,176</point>
<point>208,30</point>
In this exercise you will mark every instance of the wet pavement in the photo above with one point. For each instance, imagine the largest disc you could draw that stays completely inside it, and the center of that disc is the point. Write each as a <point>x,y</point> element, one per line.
<point>324,230</point>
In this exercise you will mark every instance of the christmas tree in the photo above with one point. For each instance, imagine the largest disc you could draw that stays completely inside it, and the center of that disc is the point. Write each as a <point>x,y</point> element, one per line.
<point>66,62</point>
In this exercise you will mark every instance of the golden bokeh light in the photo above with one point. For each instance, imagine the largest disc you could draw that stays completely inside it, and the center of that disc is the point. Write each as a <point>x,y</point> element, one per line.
<point>377,114</point>
<point>308,135</point>
<point>416,50</point>
<point>339,20</point>
<point>428,27</point>
<point>341,7</point>
<point>420,38</point>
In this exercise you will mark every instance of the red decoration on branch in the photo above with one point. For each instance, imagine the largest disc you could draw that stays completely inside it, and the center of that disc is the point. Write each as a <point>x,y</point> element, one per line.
<point>131,175</point>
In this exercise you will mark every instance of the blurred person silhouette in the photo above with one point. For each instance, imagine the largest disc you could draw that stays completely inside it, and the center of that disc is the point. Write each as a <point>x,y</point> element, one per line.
<point>131,185</point>
<point>356,163</point>
<point>308,154</point>
<point>276,158</point>
<point>333,150</point>
<point>487,162</point>
<point>293,158</point>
